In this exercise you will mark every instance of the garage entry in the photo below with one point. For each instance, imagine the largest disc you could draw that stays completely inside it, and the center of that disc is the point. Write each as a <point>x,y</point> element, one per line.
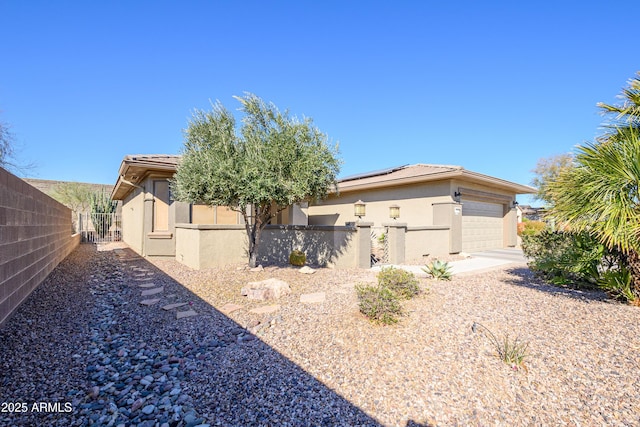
<point>482,226</point>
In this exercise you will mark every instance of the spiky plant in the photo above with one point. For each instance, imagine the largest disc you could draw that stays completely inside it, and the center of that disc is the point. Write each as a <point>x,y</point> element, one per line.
<point>101,207</point>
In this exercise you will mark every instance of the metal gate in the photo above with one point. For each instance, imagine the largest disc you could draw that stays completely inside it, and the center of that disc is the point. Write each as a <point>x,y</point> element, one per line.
<point>379,245</point>
<point>100,227</point>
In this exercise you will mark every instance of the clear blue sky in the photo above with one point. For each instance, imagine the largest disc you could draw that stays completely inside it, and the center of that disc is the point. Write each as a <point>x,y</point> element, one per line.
<point>490,86</point>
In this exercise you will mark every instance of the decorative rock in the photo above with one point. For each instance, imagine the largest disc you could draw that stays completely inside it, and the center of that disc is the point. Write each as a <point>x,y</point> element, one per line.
<point>146,285</point>
<point>265,309</point>
<point>150,301</point>
<point>306,270</point>
<point>153,291</point>
<point>188,313</point>
<point>174,305</point>
<point>230,308</point>
<point>266,289</point>
<point>258,268</point>
<point>148,409</point>
<point>315,297</point>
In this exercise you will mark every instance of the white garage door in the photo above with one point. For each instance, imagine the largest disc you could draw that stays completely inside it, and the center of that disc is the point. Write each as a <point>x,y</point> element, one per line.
<point>482,226</point>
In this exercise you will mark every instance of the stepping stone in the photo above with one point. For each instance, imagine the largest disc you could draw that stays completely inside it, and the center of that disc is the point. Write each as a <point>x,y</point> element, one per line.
<point>175,305</point>
<point>256,269</point>
<point>147,285</point>
<point>315,297</point>
<point>188,313</point>
<point>265,309</point>
<point>150,301</point>
<point>306,270</point>
<point>230,308</point>
<point>152,291</point>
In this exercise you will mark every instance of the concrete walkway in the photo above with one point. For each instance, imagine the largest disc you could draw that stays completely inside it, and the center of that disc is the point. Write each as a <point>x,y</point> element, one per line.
<point>478,261</point>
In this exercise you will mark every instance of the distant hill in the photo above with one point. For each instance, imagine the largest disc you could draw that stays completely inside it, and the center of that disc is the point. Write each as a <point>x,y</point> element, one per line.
<point>48,186</point>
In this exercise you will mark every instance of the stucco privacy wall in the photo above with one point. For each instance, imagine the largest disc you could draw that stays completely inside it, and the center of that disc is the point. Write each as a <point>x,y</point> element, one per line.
<point>205,246</point>
<point>35,235</point>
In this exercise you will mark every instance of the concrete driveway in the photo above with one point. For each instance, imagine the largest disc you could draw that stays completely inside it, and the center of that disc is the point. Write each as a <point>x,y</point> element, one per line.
<point>477,261</point>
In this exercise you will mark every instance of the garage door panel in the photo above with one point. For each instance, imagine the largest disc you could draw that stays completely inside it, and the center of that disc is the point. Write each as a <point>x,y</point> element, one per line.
<point>482,226</point>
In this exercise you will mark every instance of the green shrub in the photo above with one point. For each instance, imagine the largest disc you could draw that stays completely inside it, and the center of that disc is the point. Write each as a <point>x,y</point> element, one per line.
<point>439,270</point>
<point>379,303</point>
<point>618,284</point>
<point>565,258</point>
<point>402,282</point>
<point>530,228</point>
<point>297,258</point>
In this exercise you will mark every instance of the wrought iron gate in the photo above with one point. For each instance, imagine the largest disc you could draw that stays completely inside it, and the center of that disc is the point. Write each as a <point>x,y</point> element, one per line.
<point>100,227</point>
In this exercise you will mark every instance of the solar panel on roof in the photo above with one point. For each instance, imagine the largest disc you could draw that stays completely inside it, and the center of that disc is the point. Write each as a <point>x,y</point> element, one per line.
<point>373,173</point>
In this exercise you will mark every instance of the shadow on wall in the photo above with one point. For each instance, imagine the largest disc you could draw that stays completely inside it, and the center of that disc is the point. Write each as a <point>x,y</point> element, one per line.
<point>321,245</point>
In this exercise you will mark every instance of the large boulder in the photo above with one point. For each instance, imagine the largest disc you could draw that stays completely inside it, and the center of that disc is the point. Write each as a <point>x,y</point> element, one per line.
<point>266,289</point>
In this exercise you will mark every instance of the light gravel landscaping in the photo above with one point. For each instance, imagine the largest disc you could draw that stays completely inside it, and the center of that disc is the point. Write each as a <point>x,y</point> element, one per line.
<point>310,357</point>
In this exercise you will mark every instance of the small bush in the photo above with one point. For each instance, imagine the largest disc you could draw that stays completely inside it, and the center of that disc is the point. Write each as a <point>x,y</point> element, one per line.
<point>511,352</point>
<point>439,270</point>
<point>402,282</point>
<point>530,228</point>
<point>297,258</point>
<point>379,304</point>
<point>618,284</point>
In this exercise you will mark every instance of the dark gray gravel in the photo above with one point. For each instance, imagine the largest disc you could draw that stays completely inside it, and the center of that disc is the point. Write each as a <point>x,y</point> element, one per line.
<point>83,351</point>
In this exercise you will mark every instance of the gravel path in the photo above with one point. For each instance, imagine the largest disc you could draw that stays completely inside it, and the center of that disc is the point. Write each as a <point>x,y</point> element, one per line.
<point>84,339</point>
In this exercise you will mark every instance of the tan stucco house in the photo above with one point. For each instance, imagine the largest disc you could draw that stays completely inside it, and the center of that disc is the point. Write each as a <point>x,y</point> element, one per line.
<point>442,210</point>
<point>478,210</point>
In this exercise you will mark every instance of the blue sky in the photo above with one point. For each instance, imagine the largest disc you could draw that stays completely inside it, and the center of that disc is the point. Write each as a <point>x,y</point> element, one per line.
<point>490,86</point>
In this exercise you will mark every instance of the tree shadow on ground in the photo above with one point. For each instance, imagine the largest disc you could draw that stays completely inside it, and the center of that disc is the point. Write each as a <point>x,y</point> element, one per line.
<point>523,276</point>
<point>232,376</point>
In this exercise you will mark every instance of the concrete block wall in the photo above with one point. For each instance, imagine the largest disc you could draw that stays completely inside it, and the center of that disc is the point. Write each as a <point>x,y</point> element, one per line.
<point>35,235</point>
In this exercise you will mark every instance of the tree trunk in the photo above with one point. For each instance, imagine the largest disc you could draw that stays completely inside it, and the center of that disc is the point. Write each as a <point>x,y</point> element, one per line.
<point>633,260</point>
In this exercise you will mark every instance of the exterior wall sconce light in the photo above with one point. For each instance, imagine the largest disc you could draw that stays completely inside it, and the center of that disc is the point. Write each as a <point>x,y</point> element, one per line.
<point>359,209</point>
<point>394,211</point>
<point>456,194</point>
<point>515,203</point>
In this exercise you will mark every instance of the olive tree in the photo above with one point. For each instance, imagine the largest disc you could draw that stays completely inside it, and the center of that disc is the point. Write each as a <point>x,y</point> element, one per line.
<point>271,161</point>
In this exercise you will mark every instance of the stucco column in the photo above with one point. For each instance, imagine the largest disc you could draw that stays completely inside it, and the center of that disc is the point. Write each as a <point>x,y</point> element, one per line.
<point>363,244</point>
<point>511,227</point>
<point>450,214</point>
<point>396,232</point>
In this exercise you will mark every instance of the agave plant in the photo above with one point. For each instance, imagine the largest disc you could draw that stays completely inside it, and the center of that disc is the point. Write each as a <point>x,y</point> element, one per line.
<point>439,270</point>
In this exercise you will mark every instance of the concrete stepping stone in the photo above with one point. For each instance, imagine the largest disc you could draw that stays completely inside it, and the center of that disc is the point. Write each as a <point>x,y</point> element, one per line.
<point>150,301</point>
<point>175,305</point>
<point>147,285</point>
<point>306,270</point>
<point>188,313</point>
<point>230,308</point>
<point>154,291</point>
<point>315,297</point>
<point>265,309</point>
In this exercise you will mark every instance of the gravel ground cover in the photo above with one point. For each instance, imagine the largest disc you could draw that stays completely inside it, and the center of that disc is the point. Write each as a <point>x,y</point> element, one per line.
<point>84,339</point>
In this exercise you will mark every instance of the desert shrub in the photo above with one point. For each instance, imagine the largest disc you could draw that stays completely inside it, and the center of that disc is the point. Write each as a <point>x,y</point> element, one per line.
<point>297,258</point>
<point>439,270</point>
<point>530,228</point>
<point>403,283</point>
<point>565,258</point>
<point>379,303</point>
<point>510,351</point>
<point>618,283</point>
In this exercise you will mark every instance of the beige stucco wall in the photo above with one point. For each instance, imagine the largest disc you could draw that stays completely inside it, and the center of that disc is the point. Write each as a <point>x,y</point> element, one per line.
<point>206,246</point>
<point>415,203</point>
<point>132,220</point>
<point>323,245</point>
<point>35,235</point>
<point>421,242</point>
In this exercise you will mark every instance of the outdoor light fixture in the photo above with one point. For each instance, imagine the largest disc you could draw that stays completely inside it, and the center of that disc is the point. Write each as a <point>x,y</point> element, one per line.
<point>456,194</point>
<point>359,209</point>
<point>515,203</point>
<point>394,211</point>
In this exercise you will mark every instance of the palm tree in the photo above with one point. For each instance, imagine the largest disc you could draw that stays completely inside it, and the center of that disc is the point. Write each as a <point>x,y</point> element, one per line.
<point>600,194</point>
